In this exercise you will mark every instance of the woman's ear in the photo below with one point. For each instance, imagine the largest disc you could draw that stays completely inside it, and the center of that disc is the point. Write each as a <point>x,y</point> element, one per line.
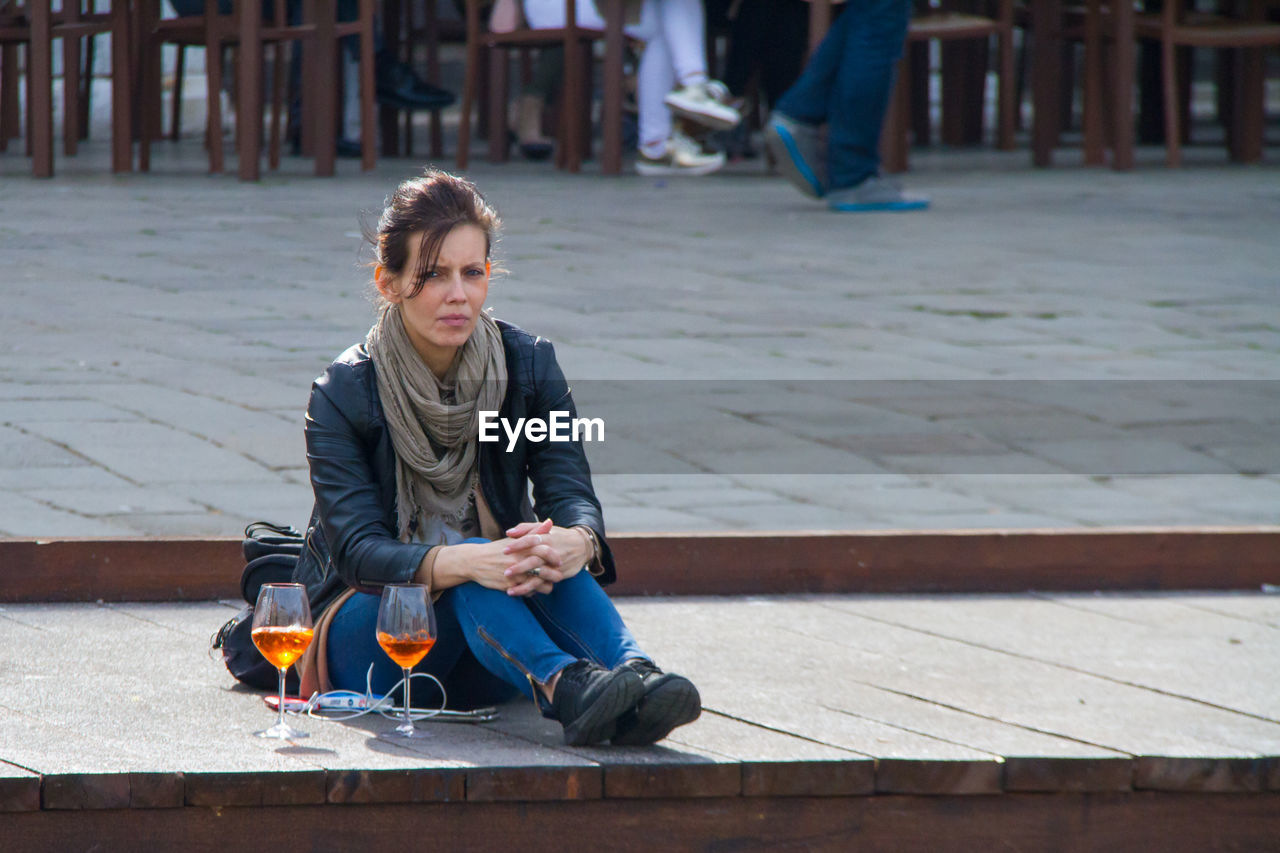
<point>386,284</point>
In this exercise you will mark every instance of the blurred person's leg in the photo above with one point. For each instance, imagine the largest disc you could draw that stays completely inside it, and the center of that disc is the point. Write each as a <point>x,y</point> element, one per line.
<point>793,130</point>
<point>847,84</point>
<point>663,149</point>
<point>810,98</point>
<point>548,72</point>
<point>654,79</point>
<point>684,31</point>
<point>858,94</point>
<point>396,83</point>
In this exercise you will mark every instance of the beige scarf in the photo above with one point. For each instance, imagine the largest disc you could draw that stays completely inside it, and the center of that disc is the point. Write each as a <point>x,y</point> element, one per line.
<point>434,422</point>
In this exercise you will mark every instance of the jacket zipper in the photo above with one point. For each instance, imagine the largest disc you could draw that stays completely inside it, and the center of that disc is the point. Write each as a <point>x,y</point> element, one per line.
<point>533,685</point>
<point>311,546</point>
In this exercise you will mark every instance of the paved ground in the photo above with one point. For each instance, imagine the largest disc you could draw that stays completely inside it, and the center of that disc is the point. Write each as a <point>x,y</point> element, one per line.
<point>161,332</point>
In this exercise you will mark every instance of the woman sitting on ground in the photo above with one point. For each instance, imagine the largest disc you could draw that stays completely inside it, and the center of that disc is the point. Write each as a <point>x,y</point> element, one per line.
<point>405,492</point>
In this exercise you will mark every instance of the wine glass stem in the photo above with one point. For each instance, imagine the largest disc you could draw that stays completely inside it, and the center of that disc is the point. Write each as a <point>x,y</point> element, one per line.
<point>408,721</point>
<point>280,722</point>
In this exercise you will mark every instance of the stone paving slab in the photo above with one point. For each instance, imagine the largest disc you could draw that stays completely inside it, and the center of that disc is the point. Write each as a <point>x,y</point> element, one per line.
<point>170,346</point>
<point>995,683</point>
<point>1202,653</point>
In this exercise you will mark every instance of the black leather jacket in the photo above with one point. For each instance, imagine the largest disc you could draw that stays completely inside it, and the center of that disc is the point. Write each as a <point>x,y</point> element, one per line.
<point>351,540</point>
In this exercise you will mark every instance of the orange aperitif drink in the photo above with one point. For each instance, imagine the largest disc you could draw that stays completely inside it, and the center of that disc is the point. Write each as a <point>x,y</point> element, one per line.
<point>282,645</point>
<point>406,649</point>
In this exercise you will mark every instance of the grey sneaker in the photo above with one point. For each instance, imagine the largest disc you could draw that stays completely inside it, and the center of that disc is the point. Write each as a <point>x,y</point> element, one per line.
<point>682,157</point>
<point>797,148</point>
<point>874,194</point>
<point>704,103</point>
<point>669,701</point>
<point>589,699</point>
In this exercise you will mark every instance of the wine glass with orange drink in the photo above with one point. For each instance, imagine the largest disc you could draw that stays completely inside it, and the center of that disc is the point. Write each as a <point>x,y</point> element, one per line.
<point>406,632</point>
<point>282,631</point>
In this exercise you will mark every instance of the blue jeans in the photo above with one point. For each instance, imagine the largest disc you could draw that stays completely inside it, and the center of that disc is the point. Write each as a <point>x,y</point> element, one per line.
<point>488,643</point>
<point>847,85</point>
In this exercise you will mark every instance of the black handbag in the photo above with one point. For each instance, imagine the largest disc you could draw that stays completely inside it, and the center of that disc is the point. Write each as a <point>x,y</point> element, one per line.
<point>271,553</point>
<point>264,539</point>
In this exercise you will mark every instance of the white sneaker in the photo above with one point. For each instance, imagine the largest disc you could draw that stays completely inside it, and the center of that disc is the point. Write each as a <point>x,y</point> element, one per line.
<point>704,103</point>
<point>682,157</point>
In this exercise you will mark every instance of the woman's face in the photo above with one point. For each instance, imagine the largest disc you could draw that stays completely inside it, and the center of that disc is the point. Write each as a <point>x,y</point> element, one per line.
<point>444,313</point>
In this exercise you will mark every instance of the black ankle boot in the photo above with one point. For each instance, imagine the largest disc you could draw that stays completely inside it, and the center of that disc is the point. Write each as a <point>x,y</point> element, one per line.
<point>668,701</point>
<point>589,699</point>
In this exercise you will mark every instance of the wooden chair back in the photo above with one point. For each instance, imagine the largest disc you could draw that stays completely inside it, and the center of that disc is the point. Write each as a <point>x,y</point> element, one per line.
<point>406,37</point>
<point>318,33</point>
<point>949,25</point>
<point>34,24</point>
<point>1246,31</point>
<point>574,126</point>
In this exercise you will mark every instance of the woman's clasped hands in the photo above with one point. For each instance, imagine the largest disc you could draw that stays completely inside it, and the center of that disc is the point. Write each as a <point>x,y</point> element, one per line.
<point>533,558</point>
<point>537,564</point>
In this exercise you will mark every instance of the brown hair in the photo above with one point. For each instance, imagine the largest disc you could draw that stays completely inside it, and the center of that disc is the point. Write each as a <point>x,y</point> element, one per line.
<point>432,205</point>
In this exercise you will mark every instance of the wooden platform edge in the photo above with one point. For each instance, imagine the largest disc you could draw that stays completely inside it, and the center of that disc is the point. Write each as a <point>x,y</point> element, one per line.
<point>855,778</point>
<point>900,823</point>
<point>734,563</point>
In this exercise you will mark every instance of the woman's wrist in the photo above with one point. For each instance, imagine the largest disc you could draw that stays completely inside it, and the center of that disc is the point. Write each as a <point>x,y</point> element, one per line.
<point>445,566</point>
<point>579,552</point>
<point>592,564</point>
<point>426,569</point>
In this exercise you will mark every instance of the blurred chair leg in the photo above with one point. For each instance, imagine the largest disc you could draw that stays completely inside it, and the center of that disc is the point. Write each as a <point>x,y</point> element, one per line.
<point>122,90</point>
<point>571,105</point>
<point>389,118</point>
<point>1094,153</point>
<point>1185,74</point>
<point>40,86</point>
<point>249,89</point>
<point>1007,106</point>
<point>70,82</point>
<point>433,74</point>
<point>1172,134</point>
<point>278,72</point>
<point>611,103</point>
<point>1248,106</point>
<point>10,116</point>
<point>469,85</point>
<point>498,149</point>
<point>368,133</point>
<point>326,101</point>
<point>1122,62</point>
<point>893,135</point>
<point>213,96</point>
<point>147,71</point>
<point>585,102</point>
<point>86,78</point>
<point>921,122</point>
<point>175,107</point>
<point>482,94</point>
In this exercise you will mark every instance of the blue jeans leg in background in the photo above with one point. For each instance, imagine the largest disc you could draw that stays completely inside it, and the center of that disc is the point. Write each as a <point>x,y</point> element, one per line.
<point>848,83</point>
